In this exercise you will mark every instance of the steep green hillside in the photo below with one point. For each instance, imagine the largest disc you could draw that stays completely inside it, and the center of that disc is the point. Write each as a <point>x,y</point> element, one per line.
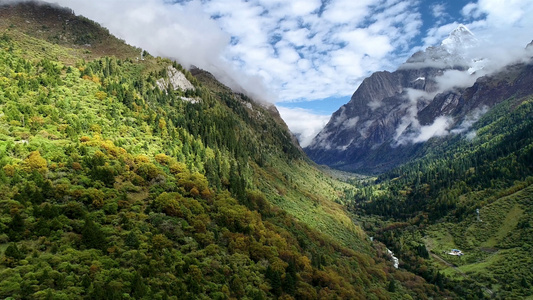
<point>114,185</point>
<point>82,37</point>
<point>428,207</point>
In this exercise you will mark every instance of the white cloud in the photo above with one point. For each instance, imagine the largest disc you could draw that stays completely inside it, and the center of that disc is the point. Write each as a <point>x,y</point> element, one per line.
<point>303,7</point>
<point>303,123</point>
<point>471,11</point>
<point>469,121</point>
<point>350,123</point>
<point>455,79</point>
<point>347,11</point>
<point>442,126</point>
<point>438,10</point>
<point>417,133</point>
<point>310,36</point>
<point>439,128</point>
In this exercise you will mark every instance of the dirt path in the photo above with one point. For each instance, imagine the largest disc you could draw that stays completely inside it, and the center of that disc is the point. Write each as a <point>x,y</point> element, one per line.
<point>449,264</point>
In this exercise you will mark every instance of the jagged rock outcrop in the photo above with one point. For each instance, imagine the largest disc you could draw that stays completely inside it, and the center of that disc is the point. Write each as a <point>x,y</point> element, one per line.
<point>391,114</point>
<point>176,80</point>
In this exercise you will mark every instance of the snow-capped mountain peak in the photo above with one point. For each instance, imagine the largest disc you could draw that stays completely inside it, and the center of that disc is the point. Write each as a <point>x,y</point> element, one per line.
<point>459,38</point>
<point>451,53</point>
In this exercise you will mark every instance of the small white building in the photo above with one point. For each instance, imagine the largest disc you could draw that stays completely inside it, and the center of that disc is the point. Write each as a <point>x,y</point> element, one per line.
<point>456,252</point>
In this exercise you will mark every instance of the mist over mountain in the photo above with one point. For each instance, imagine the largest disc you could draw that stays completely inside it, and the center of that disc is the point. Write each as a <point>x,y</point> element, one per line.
<point>436,92</point>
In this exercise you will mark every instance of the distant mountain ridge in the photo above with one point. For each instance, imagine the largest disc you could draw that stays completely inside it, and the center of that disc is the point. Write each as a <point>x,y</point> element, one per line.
<point>434,93</point>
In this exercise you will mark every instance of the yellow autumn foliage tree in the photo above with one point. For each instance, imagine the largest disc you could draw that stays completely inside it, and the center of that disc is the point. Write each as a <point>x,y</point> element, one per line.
<point>35,162</point>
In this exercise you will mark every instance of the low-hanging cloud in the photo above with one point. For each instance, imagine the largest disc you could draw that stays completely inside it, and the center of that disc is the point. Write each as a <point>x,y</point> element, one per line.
<point>184,32</point>
<point>417,133</point>
<point>438,128</point>
<point>411,131</point>
<point>469,121</point>
<point>451,79</point>
<point>442,126</point>
<point>303,123</point>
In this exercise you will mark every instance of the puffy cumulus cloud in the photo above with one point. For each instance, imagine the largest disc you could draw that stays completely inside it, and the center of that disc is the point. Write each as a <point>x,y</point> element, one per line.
<point>303,7</point>
<point>502,13</point>
<point>304,124</point>
<point>290,45</point>
<point>314,49</point>
<point>439,10</point>
<point>347,11</point>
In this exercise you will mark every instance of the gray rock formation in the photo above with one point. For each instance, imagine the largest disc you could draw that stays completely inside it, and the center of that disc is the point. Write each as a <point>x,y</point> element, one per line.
<point>176,79</point>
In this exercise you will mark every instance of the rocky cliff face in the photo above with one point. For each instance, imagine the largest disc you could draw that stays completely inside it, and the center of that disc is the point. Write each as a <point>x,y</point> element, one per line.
<point>391,115</point>
<point>175,79</point>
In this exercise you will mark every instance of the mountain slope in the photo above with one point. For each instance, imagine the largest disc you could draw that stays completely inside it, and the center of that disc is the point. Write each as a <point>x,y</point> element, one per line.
<point>392,115</point>
<point>114,186</point>
<point>455,168</point>
<point>432,204</point>
<point>58,25</point>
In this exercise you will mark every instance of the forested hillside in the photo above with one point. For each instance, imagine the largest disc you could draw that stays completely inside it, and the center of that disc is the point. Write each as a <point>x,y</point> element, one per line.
<point>470,192</point>
<point>115,184</point>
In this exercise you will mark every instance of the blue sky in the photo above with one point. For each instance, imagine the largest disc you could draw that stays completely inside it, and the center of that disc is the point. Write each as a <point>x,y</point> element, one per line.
<point>305,56</point>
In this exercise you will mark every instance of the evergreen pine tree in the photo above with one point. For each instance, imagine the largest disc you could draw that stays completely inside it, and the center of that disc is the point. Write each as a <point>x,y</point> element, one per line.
<point>13,251</point>
<point>92,235</point>
<point>131,240</point>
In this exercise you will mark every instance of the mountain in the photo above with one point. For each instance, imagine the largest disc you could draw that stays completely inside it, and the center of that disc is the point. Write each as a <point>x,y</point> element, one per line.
<point>392,115</point>
<point>468,188</point>
<point>468,194</point>
<point>127,176</point>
